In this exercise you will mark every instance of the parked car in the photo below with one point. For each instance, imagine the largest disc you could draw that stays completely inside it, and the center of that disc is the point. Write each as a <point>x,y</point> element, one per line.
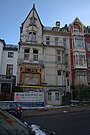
<point>10,125</point>
<point>12,107</point>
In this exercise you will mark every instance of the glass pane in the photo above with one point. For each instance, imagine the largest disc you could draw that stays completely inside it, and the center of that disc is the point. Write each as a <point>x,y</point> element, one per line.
<point>26,56</point>
<point>49,96</point>
<point>35,57</point>
<point>56,96</point>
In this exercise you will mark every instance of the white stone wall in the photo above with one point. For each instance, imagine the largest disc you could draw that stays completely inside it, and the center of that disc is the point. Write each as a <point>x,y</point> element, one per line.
<point>52,39</point>
<point>50,66</point>
<point>68,67</point>
<point>6,60</point>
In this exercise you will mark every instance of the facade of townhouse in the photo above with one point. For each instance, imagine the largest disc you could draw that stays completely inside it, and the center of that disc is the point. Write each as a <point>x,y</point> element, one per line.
<point>8,66</point>
<point>87,43</point>
<point>44,58</point>
<point>78,53</point>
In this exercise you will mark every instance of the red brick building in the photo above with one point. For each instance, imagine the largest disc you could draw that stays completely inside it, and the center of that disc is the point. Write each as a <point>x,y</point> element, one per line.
<point>87,44</point>
<point>78,53</point>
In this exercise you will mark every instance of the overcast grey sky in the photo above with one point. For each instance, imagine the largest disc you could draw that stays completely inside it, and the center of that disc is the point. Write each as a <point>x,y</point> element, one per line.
<point>14,12</point>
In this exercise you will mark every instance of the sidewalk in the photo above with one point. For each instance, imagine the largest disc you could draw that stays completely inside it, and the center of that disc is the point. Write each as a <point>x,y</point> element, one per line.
<point>56,110</point>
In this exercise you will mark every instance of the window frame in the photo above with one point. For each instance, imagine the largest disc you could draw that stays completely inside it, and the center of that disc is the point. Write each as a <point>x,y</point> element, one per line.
<point>59,56</point>
<point>32,36</point>
<point>76,30</point>
<point>88,46</point>
<point>59,72</point>
<point>9,69</point>
<point>49,96</point>
<point>56,40</point>
<point>64,42</point>
<point>47,40</point>
<point>79,43</point>
<point>10,54</point>
<point>35,54</point>
<point>57,96</point>
<point>26,53</point>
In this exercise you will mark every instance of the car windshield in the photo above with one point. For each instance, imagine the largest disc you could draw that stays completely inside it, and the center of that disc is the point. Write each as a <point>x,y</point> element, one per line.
<point>9,125</point>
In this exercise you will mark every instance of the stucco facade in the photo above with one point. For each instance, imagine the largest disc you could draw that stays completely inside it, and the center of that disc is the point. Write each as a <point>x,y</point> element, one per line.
<point>8,66</point>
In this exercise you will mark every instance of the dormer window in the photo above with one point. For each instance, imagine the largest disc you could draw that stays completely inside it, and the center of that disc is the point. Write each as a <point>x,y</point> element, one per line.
<point>76,30</point>
<point>32,36</point>
<point>33,21</point>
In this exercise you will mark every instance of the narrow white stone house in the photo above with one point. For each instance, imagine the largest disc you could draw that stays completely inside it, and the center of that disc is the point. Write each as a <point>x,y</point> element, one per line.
<point>8,66</point>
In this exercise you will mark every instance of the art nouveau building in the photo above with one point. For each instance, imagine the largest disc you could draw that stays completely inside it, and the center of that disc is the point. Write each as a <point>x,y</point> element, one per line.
<point>44,58</point>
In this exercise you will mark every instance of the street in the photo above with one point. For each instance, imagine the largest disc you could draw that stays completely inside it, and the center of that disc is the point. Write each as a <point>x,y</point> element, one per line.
<point>77,123</point>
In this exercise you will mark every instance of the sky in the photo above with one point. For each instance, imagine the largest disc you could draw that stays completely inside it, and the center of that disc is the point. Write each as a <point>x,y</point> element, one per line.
<point>14,12</point>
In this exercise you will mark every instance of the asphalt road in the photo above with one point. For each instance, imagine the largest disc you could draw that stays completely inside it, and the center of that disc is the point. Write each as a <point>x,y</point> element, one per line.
<point>77,123</point>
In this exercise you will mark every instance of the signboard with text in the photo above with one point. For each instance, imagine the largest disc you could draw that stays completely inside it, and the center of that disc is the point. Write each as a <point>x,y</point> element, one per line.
<point>30,100</point>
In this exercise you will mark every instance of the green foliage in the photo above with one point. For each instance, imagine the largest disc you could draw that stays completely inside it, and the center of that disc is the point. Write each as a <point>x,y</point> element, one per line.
<point>66,98</point>
<point>83,92</point>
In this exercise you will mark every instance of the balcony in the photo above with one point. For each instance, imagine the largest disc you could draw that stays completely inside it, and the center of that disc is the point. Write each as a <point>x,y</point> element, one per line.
<point>79,47</point>
<point>26,58</point>
<point>7,78</point>
<point>80,65</point>
<point>32,40</point>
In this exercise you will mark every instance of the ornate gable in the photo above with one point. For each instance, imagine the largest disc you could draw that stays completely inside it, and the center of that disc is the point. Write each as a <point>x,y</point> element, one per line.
<point>77,24</point>
<point>31,28</point>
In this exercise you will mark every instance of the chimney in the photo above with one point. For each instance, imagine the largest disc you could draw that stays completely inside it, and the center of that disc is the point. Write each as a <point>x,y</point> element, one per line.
<point>57,24</point>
